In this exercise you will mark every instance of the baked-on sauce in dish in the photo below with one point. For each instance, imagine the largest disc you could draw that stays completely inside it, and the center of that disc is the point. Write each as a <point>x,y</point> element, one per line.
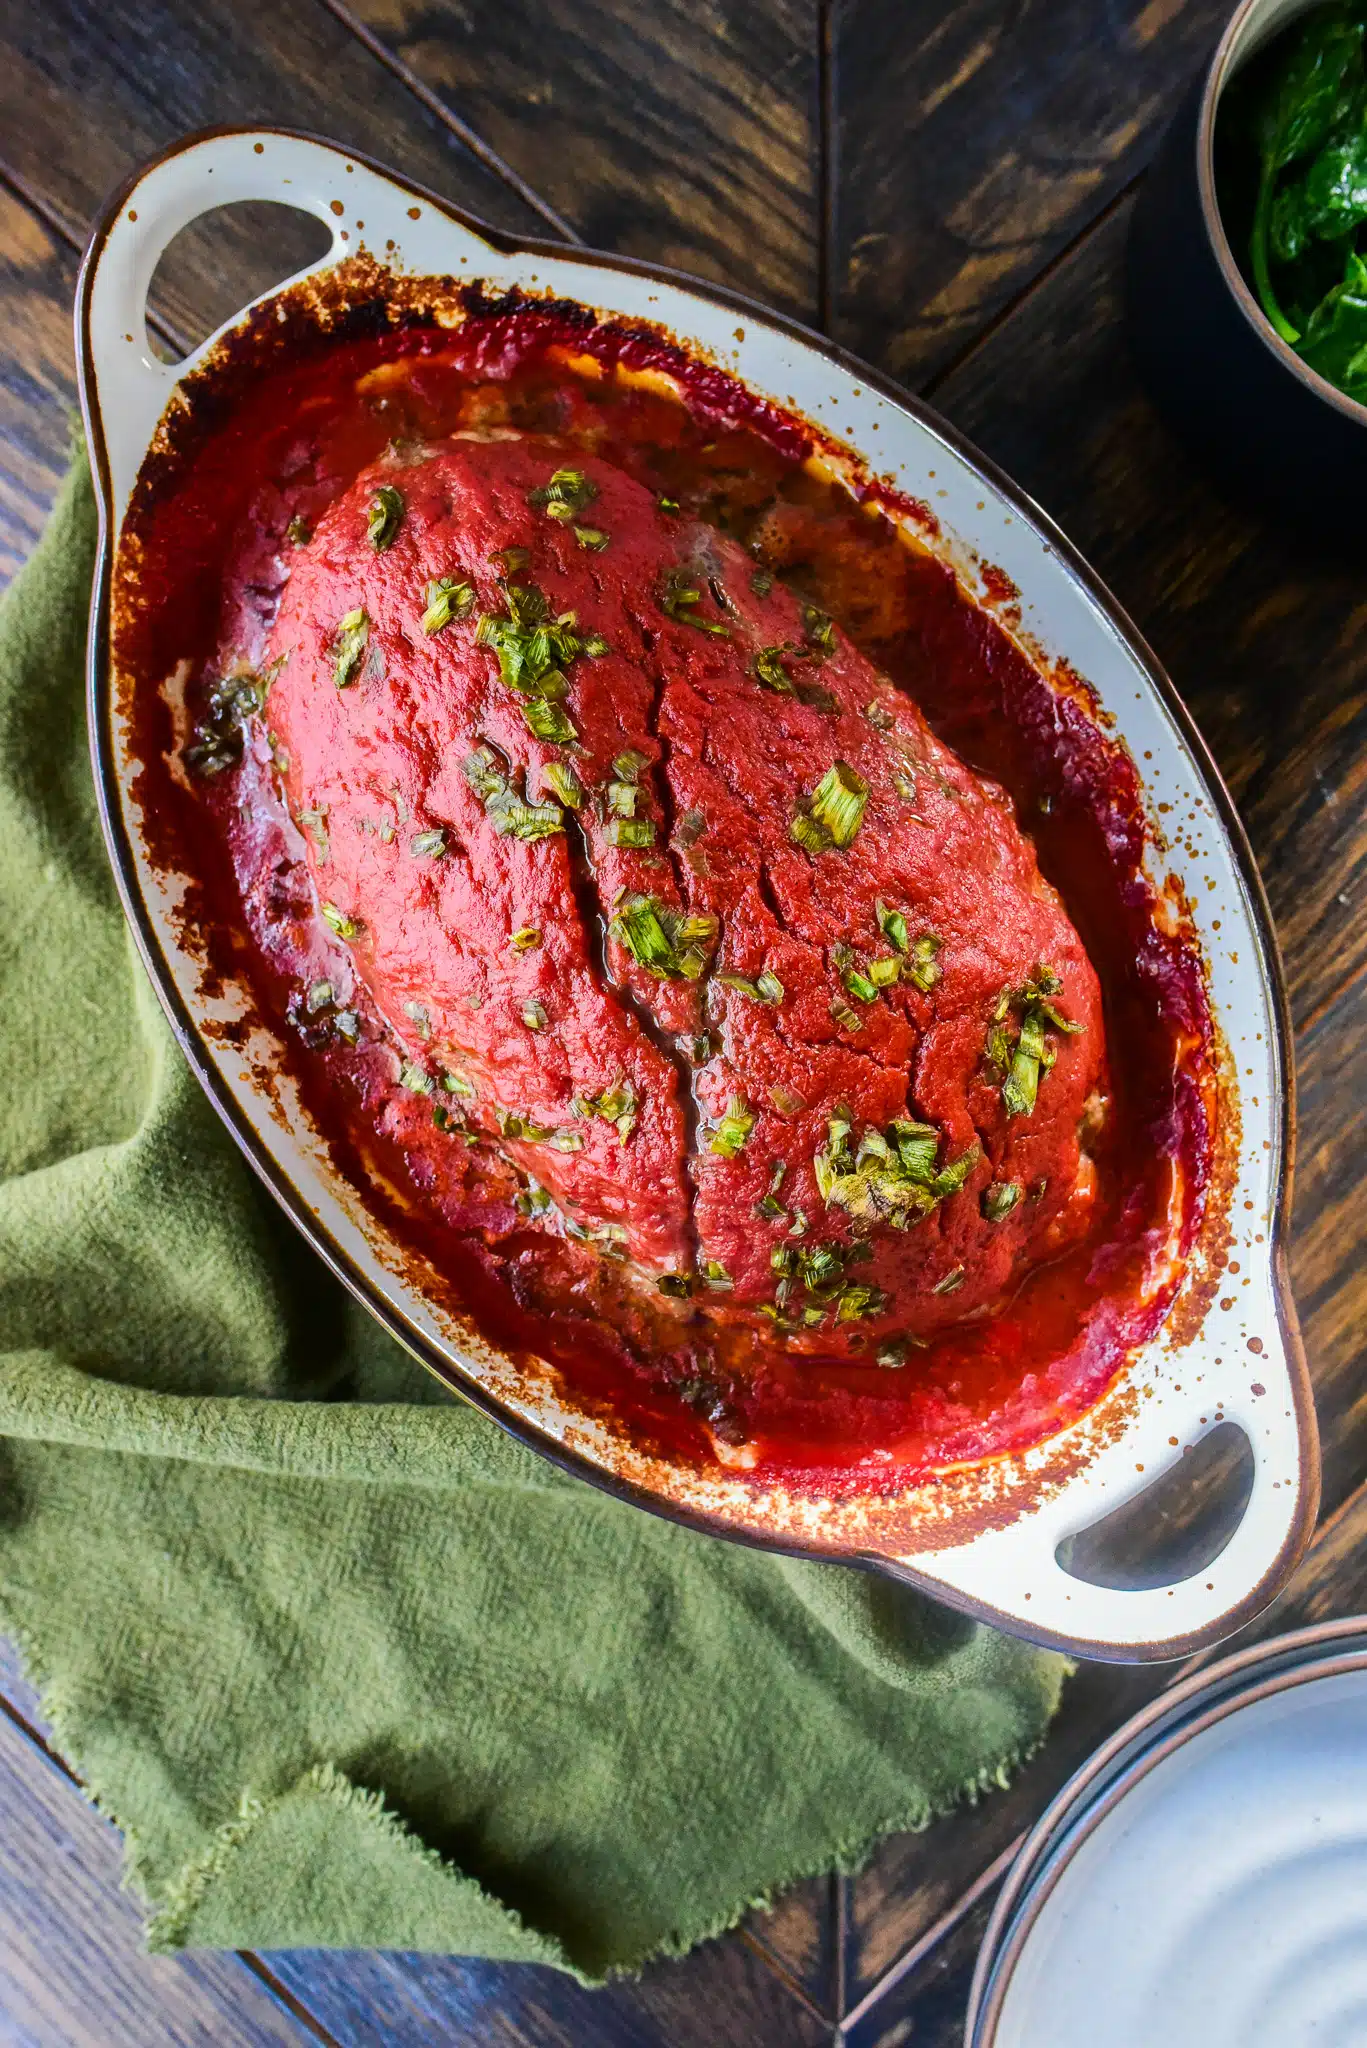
<point>702,930</point>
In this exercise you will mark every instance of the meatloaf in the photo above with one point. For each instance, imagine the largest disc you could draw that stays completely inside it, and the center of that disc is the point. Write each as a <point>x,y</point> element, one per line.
<point>663,889</point>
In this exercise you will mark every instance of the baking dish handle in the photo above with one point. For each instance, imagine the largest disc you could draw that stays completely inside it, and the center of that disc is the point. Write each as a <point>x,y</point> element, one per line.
<point>1013,1574</point>
<point>125,387</point>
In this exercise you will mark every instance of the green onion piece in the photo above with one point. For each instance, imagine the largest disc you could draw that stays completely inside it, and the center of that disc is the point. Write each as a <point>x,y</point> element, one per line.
<point>533,1200</point>
<point>1000,1199</point>
<point>859,985</point>
<point>344,926</point>
<point>568,488</point>
<point>382,518</point>
<point>534,1016</point>
<point>716,1275</point>
<point>879,719</point>
<point>415,1078</point>
<point>680,597</point>
<point>428,845</point>
<point>917,1147</point>
<point>892,925</point>
<point>592,537</point>
<point>347,1025</point>
<point>549,722</point>
<point>884,972</point>
<point>838,802</point>
<point>621,799</point>
<point>950,1179</point>
<point>631,832</point>
<point>511,560</point>
<point>526,938</point>
<point>567,1139</point>
<point>349,645</point>
<point>819,630</point>
<point>319,997</point>
<point>627,766</point>
<point>457,1083</point>
<point>672,945</point>
<point>668,504</point>
<point>923,968</point>
<point>952,1282</point>
<point>732,1132</point>
<point>770,988</point>
<point>771,672</point>
<point>856,1301</point>
<point>847,1018</point>
<point>761,583</point>
<point>299,533</point>
<point>560,778</point>
<point>677,1285</point>
<point>448,597</point>
<point>518,820</point>
<point>418,1014</point>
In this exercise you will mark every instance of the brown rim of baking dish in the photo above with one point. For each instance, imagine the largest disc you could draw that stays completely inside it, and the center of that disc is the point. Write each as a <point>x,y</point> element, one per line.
<point>339,1260</point>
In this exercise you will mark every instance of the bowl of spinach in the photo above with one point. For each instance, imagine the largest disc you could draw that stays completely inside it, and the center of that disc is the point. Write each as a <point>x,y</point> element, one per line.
<point>1248,257</point>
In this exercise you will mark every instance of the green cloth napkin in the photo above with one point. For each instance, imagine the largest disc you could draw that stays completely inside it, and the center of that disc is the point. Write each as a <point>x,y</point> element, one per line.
<point>347,1665</point>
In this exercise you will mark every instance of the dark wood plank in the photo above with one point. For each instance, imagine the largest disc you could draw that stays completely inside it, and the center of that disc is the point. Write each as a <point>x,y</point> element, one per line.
<point>37,376</point>
<point>72,1970</point>
<point>149,74</point>
<point>801,1935</point>
<point>719,1996</point>
<point>976,140</point>
<point>686,134</point>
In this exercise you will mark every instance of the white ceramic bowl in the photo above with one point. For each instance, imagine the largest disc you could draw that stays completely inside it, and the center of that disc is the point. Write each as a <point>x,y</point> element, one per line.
<point>1240,1362</point>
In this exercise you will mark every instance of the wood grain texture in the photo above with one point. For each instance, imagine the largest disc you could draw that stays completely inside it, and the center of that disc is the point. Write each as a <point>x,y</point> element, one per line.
<point>719,1996</point>
<point>684,133</point>
<point>801,1933</point>
<point>72,1970</point>
<point>87,93</point>
<point>976,140</point>
<point>37,376</point>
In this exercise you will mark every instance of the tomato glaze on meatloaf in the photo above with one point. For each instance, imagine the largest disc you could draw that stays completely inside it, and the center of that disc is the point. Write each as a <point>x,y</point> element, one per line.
<point>661,887</point>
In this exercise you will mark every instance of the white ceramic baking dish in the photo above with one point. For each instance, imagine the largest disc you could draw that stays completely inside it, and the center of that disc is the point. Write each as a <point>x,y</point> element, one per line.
<point>1236,1358</point>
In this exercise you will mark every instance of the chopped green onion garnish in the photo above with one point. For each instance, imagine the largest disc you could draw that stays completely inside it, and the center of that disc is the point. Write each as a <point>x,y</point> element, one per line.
<point>923,967</point>
<point>525,939</point>
<point>315,824</point>
<point>885,971</point>
<point>428,845</point>
<point>534,1016</point>
<point>349,645</point>
<point>567,1139</point>
<point>627,766</point>
<point>510,814</point>
<point>667,504</point>
<point>879,719</point>
<point>820,631</point>
<point>622,799</point>
<point>415,1078</point>
<point>761,583</point>
<point>569,490</point>
<point>631,832</point>
<point>952,1282</point>
<point>716,1275</point>
<point>383,515</point>
<point>448,597</point>
<point>833,812</point>
<point>344,926</point>
<point>319,997</point>
<point>667,942</point>
<point>847,1018</point>
<point>299,533</point>
<point>457,1083</point>
<point>733,1130</point>
<point>418,1014</point>
<point>1000,1199</point>
<point>549,722</point>
<point>592,537</point>
<point>559,777</point>
<point>678,1285</point>
<point>859,985</point>
<point>892,925</point>
<point>771,672</point>
<point>511,560</point>
<point>680,597</point>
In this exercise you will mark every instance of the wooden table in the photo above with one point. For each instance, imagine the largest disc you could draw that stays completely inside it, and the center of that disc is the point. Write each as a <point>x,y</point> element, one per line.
<point>946,188</point>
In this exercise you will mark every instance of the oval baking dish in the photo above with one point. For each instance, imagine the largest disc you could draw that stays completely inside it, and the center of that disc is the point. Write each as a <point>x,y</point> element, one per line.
<point>984,1536</point>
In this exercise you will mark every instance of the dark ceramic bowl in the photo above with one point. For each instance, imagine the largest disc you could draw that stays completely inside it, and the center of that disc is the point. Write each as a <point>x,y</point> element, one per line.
<point>1243,400</point>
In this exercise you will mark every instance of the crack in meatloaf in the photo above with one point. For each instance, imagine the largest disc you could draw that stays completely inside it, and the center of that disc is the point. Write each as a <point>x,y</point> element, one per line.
<point>662,888</point>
